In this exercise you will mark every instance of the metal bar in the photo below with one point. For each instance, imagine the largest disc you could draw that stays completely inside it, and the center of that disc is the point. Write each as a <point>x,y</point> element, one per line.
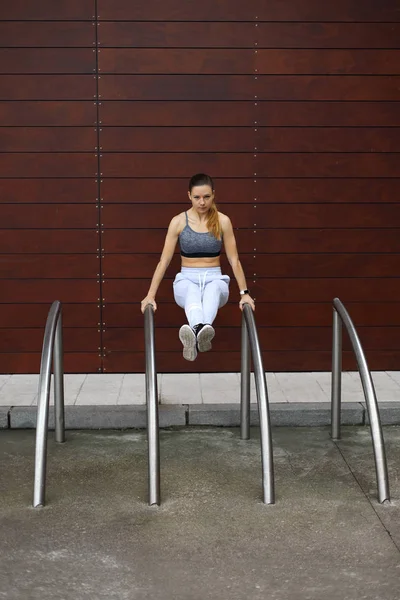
<point>58,369</point>
<point>263,409</point>
<point>152,408</point>
<point>336,382</point>
<point>43,406</point>
<point>372,404</point>
<point>245,384</point>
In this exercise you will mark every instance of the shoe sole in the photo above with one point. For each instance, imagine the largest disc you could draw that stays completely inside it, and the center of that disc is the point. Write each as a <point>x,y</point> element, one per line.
<point>188,339</point>
<point>204,338</point>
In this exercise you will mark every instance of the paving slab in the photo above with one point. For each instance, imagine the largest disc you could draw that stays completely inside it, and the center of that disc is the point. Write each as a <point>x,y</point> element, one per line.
<point>389,413</point>
<point>212,537</point>
<point>4,412</point>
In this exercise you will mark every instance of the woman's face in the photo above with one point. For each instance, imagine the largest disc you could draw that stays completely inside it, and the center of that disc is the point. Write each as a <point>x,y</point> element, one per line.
<point>202,197</point>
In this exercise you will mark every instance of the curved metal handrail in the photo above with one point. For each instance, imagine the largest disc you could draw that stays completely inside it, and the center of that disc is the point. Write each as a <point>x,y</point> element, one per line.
<point>152,408</point>
<point>52,351</point>
<point>250,340</point>
<point>340,315</point>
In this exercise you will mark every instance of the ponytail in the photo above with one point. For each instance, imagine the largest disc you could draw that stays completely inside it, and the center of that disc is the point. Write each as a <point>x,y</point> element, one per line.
<point>213,224</point>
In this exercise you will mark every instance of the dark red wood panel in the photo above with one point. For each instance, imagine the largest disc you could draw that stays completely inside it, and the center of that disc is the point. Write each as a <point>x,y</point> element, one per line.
<point>178,139</point>
<point>327,62</point>
<point>52,216</point>
<point>48,290</point>
<point>270,314</point>
<point>191,87</point>
<point>156,34</point>
<point>47,87</point>
<point>48,10</point>
<point>327,165</point>
<point>77,339</point>
<point>48,165</point>
<point>176,164</point>
<point>46,241</point>
<point>46,33</point>
<point>313,10</point>
<point>324,87</point>
<point>327,113</point>
<point>35,315</point>
<point>49,266</point>
<point>175,10</point>
<point>37,191</point>
<point>180,113</point>
<point>36,113</point>
<point>47,60</point>
<point>48,139</point>
<point>74,362</point>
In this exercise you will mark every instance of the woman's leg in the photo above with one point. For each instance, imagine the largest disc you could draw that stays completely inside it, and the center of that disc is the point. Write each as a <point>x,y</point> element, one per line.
<point>216,294</point>
<point>188,296</point>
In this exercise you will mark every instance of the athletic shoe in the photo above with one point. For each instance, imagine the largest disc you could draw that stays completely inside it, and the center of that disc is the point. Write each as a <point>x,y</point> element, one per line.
<point>204,336</point>
<point>188,339</point>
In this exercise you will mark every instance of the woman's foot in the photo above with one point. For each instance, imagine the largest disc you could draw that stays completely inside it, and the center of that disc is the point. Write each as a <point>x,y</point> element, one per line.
<point>188,339</point>
<point>204,335</point>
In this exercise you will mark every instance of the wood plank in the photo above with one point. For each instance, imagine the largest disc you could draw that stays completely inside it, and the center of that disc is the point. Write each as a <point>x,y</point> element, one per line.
<point>49,266</point>
<point>49,290</point>
<point>193,87</point>
<point>45,114</point>
<point>186,113</point>
<point>312,10</point>
<point>266,241</point>
<point>327,62</point>
<point>315,87</point>
<point>77,339</point>
<point>175,60</point>
<point>268,314</point>
<point>48,139</point>
<point>176,164</point>
<point>74,362</point>
<point>156,34</point>
<point>48,60</point>
<point>211,362</point>
<point>52,216</point>
<point>35,315</point>
<point>271,290</point>
<point>45,164</point>
<point>47,87</point>
<point>48,10</point>
<point>333,164</point>
<point>65,34</point>
<point>47,241</point>
<point>37,191</point>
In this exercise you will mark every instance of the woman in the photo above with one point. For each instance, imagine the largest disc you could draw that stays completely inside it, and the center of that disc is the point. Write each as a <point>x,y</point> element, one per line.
<point>200,288</point>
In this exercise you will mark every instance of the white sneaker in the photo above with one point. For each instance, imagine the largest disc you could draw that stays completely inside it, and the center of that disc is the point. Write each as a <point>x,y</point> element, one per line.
<point>188,339</point>
<point>204,338</point>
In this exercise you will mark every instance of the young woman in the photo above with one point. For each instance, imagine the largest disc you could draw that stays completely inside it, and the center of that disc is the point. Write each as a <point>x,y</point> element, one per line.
<point>200,288</point>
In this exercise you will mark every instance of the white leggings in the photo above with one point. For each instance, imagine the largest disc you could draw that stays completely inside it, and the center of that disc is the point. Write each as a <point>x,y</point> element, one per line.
<point>201,292</point>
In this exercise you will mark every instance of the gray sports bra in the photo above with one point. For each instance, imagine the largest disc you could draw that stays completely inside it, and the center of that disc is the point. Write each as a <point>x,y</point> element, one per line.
<point>198,245</point>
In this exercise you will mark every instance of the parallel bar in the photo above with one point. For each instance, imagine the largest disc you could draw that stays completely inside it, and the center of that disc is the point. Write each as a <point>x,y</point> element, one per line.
<point>58,369</point>
<point>336,382</point>
<point>245,384</point>
<point>152,408</point>
<point>263,409</point>
<point>372,404</point>
<point>39,488</point>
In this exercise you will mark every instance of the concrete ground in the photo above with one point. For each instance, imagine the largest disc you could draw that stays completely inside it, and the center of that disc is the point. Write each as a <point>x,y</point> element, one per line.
<point>212,538</point>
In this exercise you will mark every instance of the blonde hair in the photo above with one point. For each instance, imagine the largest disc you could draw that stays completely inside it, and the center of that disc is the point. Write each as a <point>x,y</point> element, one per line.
<point>213,224</point>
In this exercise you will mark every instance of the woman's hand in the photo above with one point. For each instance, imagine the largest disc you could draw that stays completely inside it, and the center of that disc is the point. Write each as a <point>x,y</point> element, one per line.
<point>247,299</point>
<point>146,301</point>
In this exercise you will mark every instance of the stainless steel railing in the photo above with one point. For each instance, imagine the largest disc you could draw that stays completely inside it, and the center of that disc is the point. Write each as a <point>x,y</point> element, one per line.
<point>152,408</point>
<point>250,340</point>
<point>340,315</point>
<point>52,351</point>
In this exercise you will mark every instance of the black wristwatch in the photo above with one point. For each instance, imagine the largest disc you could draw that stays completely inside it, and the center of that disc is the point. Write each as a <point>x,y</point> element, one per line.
<point>244,292</point>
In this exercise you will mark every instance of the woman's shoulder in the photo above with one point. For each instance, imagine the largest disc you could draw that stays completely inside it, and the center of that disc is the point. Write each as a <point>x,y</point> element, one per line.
<point>178,222</point>
<point>224,219</point>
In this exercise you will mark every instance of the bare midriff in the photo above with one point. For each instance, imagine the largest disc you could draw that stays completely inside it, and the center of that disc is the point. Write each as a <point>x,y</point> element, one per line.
<point>194,263</point>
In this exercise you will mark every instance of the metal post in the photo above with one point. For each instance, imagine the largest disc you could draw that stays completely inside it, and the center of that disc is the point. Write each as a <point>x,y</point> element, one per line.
<point>245,384</point>
<point>263,409</point>
<point>152,408</point>
<point>336,381</point>
<point>372,405</point>
<point>58,369</point>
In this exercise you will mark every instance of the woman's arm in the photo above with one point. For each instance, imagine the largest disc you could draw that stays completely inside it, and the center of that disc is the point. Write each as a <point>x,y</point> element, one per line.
<point>166,256</point>
<point>233,257</point>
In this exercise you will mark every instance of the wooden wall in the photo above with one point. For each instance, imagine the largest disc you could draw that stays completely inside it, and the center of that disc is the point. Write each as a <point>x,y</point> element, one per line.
<point>106,110</point>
